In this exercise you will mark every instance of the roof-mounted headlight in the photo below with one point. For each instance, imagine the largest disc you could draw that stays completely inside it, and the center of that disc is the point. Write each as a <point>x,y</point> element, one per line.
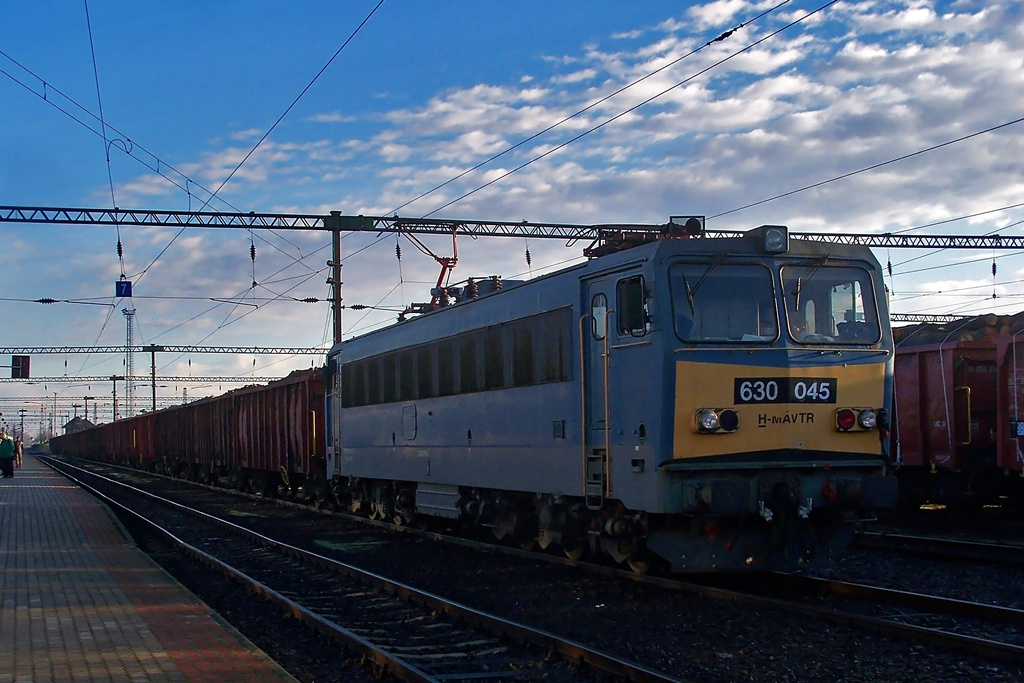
<point>775,238</point>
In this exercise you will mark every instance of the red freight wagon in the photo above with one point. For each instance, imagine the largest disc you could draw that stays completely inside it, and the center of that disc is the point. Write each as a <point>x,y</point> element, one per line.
<point>958,402</point>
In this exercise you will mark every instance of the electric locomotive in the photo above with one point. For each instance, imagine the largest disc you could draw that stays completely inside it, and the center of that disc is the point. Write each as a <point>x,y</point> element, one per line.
<point>709,403</point>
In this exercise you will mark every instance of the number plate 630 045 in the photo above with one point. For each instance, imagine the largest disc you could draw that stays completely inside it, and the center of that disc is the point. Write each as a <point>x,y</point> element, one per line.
<point>785,390</point>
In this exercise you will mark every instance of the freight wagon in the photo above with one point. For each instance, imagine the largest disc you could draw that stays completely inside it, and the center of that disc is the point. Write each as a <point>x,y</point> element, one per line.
<point>959,411</point>
<point>259,438</point>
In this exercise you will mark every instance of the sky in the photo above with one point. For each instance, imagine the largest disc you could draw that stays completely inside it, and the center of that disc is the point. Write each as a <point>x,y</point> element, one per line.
<point>596,112</point>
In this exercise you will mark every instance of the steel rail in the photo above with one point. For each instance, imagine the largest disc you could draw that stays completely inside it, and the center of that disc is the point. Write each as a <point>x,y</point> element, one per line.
<point>933,637</point>
<point>932,603</point>
<point>944,548</point>
<point>569,651</point>
<point>390,663</point>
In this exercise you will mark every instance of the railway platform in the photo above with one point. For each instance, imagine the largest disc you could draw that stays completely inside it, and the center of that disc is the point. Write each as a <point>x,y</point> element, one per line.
<point>78,602</point>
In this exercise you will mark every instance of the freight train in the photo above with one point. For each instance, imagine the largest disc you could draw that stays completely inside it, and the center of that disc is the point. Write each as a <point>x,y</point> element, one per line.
<point>959,412</point>
<point>263,439</point>
<point>706,403</point>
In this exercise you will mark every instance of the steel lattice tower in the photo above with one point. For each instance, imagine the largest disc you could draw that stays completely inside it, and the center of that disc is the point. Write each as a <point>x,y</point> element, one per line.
<point>129,361</point>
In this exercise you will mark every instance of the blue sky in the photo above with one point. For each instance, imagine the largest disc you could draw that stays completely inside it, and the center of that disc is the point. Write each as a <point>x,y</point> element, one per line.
<point>427,90</point>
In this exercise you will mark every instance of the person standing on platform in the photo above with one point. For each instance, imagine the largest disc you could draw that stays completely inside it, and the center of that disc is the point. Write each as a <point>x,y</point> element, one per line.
<point>18,448</point>
<point>6,454</point>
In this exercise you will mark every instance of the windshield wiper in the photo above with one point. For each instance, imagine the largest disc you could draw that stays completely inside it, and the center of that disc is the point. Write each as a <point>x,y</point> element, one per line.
<point>691,293</point>
<point>800,282</point>
<point>714,264</point>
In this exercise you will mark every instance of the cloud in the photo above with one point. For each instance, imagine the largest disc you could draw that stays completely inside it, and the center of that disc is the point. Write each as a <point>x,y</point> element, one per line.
<point>861,84</point>
<point>331,117</point>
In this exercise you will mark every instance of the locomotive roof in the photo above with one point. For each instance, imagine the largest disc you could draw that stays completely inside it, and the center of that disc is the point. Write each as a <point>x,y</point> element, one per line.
<point>540,288</point>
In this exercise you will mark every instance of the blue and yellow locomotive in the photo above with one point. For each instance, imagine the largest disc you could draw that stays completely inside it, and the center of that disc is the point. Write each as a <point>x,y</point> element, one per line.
<point>712,403</point>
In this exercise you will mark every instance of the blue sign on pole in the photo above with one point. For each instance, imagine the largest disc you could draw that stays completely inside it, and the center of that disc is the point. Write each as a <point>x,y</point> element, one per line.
<point>123,289</point>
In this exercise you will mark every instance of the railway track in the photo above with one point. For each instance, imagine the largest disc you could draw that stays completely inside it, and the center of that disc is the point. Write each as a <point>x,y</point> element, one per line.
<point>944,548</point>
<point>986,631</point>
<point>408,633</point>
<point>983,630</point>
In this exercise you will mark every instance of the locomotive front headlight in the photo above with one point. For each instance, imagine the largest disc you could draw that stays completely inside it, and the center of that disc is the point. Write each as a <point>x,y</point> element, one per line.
<point>707,420</point>
<point>867,419</point>
<point>846,419</point>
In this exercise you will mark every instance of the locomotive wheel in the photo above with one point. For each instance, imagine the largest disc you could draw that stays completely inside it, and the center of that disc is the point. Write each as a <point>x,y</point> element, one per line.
<point>505,525</point>
<point>573,547</point>
<point>639,566</point>
<point>573,552</point>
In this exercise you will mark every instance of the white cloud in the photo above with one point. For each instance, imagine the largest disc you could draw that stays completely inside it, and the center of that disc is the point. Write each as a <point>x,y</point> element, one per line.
<point>864,83</point>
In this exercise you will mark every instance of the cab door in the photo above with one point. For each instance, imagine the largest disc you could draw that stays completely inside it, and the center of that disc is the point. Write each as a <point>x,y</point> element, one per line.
<point>594,329</point>
<point>332,415</point>
<point>613,330</point>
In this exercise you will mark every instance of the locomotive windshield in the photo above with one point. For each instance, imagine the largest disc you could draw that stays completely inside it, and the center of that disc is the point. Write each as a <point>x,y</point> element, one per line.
<point>716,302</point>
<point>830,304</point>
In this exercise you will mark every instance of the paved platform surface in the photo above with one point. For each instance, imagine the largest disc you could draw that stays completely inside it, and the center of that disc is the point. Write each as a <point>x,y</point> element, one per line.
<point>78,602</point>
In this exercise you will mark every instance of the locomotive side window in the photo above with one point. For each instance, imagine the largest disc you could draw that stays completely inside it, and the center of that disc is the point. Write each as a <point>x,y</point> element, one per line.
<point>599,316</point>
<point>522,356</point>
<point>631,303</point>
<point>828,303</point>
<point>424,373</point>
<point>387,379</point>
<point>347,394</point>
<point>724,303</point>
<point>373,382</point>
<point>445,369</point>
<point>494,359</point>
<point>406,377</point>
<point>468,382</point>
<point>552,340</point>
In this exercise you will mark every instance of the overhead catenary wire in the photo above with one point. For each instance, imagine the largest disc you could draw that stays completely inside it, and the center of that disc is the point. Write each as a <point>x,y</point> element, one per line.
<point>103,128</point>
<point>723,36</point>
<point>630,110</point>
<point>870,168</point>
